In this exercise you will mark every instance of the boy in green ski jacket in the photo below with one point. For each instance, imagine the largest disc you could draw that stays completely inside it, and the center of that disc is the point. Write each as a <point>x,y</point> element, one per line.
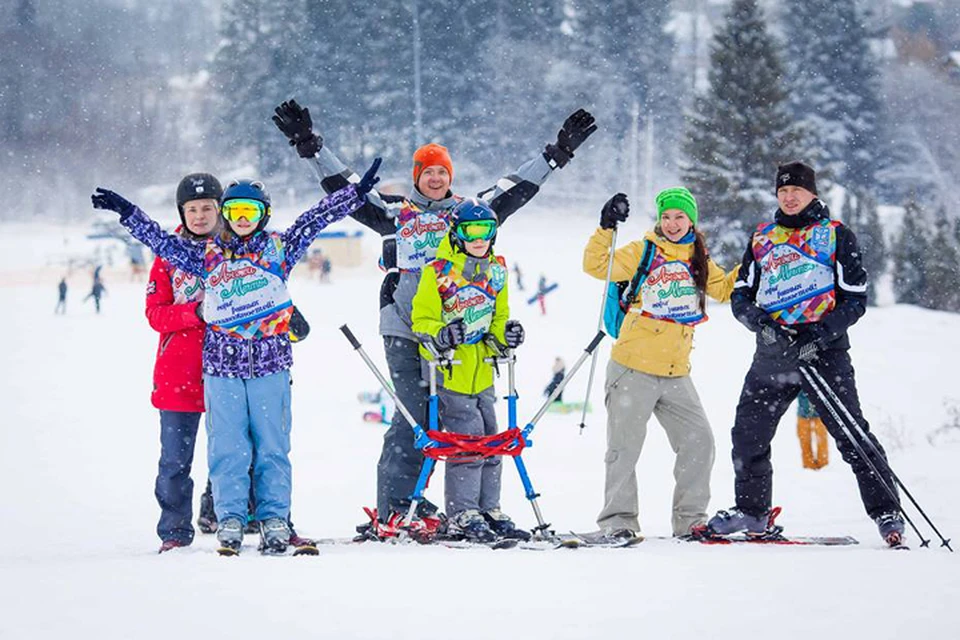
<point>461,306</point>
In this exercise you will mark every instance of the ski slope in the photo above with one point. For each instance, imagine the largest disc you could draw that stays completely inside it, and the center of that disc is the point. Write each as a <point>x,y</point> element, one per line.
<point>79,447</point>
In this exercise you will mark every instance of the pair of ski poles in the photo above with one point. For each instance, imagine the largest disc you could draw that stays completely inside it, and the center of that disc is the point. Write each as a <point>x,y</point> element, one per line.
<point>839,412</point>
<point>857,436</point>
<point>422,438</point>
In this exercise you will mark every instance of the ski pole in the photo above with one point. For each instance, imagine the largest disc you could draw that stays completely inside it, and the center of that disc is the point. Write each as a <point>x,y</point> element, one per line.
<point>433,423</point>
<point>944,542</point>
<point>860,451</point>
<point>509,358</point>
<point>603,305</point>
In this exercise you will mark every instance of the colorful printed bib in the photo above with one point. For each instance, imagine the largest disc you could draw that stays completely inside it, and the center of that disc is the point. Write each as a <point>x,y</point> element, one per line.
<point>669,293</point>
<point>472,301</point>
<point>796,271</point>
<point>186,286</point>
<point>246,295</point>
<point>419,233</point>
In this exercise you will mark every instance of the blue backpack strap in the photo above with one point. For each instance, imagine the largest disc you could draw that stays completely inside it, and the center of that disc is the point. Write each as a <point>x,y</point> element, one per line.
<point>630,292</point>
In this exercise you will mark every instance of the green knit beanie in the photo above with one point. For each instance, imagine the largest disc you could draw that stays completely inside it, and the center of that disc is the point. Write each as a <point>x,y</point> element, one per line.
<point>677,198</point>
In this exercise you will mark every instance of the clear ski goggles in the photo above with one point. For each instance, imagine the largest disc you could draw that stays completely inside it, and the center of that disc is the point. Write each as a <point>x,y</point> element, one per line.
<point>477,230</point>
<point>252,210</point>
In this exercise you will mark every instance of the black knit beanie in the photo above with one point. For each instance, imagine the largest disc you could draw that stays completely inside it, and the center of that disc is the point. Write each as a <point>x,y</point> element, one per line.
<point>796,174</point>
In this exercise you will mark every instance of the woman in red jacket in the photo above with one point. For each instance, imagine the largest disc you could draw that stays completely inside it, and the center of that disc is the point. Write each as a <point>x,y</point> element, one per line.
<point>174,310</point>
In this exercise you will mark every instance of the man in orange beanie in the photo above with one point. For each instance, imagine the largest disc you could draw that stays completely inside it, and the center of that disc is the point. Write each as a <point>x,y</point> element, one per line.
<point>412,228</point>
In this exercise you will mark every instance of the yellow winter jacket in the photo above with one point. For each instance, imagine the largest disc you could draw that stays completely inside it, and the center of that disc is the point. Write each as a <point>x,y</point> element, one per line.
<point>657,347</point>
<point>472,375</point>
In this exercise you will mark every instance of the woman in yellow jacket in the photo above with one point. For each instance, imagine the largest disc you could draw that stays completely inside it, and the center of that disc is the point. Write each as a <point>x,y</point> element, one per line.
<point>649,368</point>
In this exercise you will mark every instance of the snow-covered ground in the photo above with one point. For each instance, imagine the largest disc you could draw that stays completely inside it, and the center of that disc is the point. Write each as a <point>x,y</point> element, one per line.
<point>79,446</point>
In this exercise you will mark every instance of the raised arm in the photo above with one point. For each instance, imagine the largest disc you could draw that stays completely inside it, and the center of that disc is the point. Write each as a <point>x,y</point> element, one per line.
<point>296,124</point>
<point>516,189</point>
<point>178,251</point>
<point>334,207</point>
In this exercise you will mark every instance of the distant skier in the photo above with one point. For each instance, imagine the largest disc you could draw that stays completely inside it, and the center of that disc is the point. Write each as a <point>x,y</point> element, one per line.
<point>412,228</point>
<point>800,287</point>
<point>519,275</point>
<point>542,290</point>
<point>814,450</point>
<point>61,307</point>
<point>97,290</point>
<point>559,370</point>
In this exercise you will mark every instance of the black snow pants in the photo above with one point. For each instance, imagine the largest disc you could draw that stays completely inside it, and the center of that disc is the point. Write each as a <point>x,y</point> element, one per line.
<point>769,388</point>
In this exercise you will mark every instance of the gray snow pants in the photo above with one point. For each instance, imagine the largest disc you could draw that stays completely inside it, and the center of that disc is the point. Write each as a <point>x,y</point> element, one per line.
<point>631,396</point>
<point>470,485</point>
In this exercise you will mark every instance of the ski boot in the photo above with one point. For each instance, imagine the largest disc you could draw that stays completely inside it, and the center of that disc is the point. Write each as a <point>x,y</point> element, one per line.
<point>503,526</point>
<point>890,526</point>
<point>230,537</point>
<point>274,536</point>
<point>470,525</point>
<point>207,520</point>
<point>169,545</point>
<point>734,520</point>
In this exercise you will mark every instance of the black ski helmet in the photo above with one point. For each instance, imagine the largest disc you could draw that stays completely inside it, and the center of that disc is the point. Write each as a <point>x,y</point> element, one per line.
<point>197,186</point>
<point>249,190</point>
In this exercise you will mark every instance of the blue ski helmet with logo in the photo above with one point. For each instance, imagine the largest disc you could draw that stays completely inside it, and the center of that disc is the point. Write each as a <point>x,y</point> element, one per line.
<point>467,211</point>
<point>249,190</point>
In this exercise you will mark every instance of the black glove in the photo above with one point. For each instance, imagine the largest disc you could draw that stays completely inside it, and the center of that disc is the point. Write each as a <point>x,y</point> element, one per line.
<point>779,335</point>
<point>804,350</point>
<point>369,179</point>
<point>513,334</point>
<point>106,199</point>
<point>614,211</point>
<point>295,123</point>
<point>451,335</point>
<point>577,128</point>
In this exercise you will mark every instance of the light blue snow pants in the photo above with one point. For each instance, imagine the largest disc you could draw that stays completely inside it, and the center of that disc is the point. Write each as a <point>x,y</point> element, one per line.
<point>249,420</point>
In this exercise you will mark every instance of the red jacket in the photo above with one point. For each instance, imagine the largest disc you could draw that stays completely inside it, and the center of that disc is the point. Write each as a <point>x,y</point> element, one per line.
<point>172,300</point>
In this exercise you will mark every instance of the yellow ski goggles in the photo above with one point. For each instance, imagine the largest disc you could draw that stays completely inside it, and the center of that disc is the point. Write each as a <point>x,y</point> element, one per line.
<point>252,210</point>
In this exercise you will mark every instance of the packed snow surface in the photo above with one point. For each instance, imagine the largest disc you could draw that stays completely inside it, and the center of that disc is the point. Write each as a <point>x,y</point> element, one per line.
<point>79,447</point>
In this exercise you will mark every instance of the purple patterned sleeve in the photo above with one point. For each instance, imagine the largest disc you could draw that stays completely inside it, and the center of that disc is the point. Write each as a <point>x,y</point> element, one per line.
<point>336,206</point>
<point>178,251</point>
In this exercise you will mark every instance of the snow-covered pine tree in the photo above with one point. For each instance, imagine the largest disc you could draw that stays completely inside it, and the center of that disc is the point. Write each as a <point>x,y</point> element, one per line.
<point>620,56</point>
<point>942,268</point>
<point>861,215</point>
<point>738,132</point>
<point>910,256</point>
<point>832,81</point>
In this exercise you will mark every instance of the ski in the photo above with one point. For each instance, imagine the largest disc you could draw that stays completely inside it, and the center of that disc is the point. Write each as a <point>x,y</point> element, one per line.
<point>777,538</point>
<point>497,545</point>
<point>228,550</point>
<point>599,539</point>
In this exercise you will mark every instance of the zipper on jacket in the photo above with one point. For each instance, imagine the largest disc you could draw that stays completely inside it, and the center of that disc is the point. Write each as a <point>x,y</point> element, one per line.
<point>165,343</point>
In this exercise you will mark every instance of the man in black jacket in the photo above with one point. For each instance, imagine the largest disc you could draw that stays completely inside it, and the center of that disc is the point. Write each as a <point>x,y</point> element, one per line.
<point>800,287</point>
